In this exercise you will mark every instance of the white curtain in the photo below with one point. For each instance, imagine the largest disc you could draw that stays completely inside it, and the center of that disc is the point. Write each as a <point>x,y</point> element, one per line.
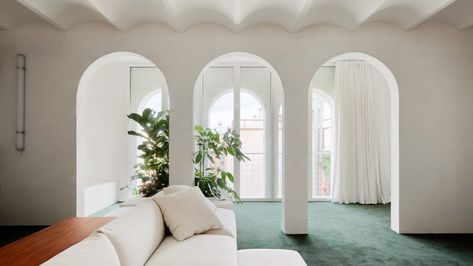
<point>362,146</point>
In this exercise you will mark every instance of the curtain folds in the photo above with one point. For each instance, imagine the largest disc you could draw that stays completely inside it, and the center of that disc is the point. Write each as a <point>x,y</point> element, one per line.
<point>362,146</point>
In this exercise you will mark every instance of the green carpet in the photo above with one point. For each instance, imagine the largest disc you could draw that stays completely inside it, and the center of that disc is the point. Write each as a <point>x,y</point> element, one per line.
<point>349,235</point>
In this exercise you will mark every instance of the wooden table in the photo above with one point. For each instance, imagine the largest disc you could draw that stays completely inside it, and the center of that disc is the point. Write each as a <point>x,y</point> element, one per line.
<point>39,247</point>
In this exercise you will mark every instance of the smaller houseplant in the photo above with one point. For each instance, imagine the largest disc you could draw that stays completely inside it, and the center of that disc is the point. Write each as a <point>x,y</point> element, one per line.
<point>211,148</point>
<point>153,169</point>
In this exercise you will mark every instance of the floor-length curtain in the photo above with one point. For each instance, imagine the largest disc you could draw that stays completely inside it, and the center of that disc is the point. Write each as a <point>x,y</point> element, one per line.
<point>362,144</point>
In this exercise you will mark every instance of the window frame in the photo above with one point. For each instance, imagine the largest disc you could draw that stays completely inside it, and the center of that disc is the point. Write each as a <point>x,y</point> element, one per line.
<point>329,99</point>
<point>271,160</point>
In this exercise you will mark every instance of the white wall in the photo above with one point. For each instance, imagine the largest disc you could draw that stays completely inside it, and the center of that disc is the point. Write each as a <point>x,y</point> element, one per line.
<point>432,64</point>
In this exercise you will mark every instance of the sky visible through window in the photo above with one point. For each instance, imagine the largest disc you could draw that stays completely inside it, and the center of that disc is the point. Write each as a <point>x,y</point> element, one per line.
<point>221,113</point>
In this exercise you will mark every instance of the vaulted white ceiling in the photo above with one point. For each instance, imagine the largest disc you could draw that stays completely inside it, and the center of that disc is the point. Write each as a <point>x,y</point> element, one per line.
<point>180,15</point>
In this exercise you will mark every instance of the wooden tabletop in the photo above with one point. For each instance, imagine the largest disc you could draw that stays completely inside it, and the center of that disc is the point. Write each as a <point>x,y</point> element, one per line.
<point>39,247</point>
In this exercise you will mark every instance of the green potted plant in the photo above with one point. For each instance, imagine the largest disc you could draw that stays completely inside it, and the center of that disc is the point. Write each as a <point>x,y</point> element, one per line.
<point>153,169</point>
<point>212,147</point>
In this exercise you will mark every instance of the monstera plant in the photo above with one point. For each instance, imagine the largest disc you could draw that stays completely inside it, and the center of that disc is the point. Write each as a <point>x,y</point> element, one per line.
<point>212,149</point>
<point>153,168</point>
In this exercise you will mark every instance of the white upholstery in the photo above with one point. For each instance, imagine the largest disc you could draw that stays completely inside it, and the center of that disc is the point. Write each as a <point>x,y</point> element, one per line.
<point>273,257</point>
<point>134,239</point>
<point>118,212</point>
<point>134,201</point>
<point>136,234</point>
<point>175,188</point>
<point>95,250</point>
<point>227,218</point>
<point>198,250</point>
<point>178,188</point>
<point>187,213</point>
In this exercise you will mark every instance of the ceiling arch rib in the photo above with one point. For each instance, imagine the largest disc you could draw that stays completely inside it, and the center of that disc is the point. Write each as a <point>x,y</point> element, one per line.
<point>408,14</point>
<point>64,14</point>
<point>180,15</point>
<point>191,13</point>
<point>346,14</point>
<point>125,14</point>
<point>279,12</point>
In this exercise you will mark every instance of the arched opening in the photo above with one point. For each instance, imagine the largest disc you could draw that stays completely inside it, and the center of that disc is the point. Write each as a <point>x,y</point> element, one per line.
<point>355,133</point>
<point>244,88</point>
<point>110,88</point>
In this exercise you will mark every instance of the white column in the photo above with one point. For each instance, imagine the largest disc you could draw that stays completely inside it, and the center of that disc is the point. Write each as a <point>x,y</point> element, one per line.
<point>296,141</point>
<point>181,128</point>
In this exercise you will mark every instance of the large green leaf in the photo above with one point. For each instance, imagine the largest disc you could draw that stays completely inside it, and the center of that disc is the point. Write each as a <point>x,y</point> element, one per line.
<point>154,151</point>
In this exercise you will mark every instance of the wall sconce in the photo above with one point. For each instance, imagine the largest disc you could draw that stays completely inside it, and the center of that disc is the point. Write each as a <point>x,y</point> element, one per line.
<point>20,118</point>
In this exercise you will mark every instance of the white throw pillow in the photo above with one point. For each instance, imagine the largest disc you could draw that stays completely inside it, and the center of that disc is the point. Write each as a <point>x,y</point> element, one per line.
<point>187,213</point>
<point>177,188</point>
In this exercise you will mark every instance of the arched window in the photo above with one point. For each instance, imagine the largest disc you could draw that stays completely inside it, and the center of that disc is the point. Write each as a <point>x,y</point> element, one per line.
<point>244,88</point>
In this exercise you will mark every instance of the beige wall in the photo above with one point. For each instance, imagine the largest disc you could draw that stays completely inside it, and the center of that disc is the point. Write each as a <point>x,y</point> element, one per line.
<point>433,65</point>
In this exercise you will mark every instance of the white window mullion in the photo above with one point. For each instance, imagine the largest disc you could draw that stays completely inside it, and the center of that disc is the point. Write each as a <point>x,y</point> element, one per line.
<point>269,151</point>
<point>236,122</point>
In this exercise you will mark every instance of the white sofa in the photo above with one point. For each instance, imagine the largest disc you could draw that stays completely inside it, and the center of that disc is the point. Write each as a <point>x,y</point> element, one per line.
<point>138,237</point>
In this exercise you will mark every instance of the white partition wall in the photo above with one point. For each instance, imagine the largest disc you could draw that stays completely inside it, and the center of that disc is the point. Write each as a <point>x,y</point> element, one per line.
<point>432,64</point>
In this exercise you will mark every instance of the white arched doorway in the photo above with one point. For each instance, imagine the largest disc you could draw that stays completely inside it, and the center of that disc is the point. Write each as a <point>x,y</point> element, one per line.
<point>243,92</point>
<point>323,84</point>
<point>110,88</point>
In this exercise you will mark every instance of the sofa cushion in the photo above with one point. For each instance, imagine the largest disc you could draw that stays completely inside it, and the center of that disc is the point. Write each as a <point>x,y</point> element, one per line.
<point>187,213</point>
<point>136,234</point>
<point>95,250</point>
<point>199,250</point>
<point>227,217</point>
<point>177,188</point>
<point>273,257</point>
<point>134,201</point>
<point>118,212</point>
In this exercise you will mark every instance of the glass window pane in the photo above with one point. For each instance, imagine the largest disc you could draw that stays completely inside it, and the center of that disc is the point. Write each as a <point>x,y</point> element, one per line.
<point>218,101</point>
<point>255,86</point>
<point>279,152</point>
<point>146,84</point>
<point>221,113</point>
<point>322,112</point>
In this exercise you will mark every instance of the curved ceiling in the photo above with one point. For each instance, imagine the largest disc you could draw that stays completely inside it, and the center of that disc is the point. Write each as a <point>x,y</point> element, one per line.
<point>236,15</point>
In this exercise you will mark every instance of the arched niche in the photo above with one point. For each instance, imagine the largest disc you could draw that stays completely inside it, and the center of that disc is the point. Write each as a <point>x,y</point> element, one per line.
<point>113,86</point>
<point>248,83</point>
<point>323,82</point>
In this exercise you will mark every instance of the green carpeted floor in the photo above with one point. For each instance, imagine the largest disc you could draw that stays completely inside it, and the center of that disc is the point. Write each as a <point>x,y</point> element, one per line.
<point>349,235</point>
